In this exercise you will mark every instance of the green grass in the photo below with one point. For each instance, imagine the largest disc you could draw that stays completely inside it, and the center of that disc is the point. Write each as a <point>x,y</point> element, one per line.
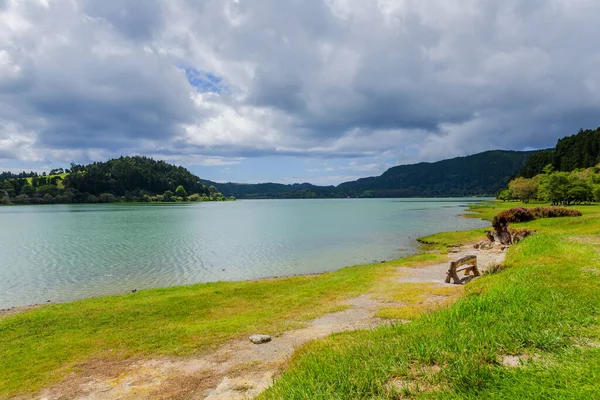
<point>59,184</point>
<point>41,346</point>
<point>544,307</point>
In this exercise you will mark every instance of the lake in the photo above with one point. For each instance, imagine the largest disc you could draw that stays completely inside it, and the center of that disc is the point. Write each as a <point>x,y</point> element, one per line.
<point>67,252</point>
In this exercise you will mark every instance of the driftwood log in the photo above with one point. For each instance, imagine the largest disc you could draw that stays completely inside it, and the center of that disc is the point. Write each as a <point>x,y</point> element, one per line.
<point>507,236</point>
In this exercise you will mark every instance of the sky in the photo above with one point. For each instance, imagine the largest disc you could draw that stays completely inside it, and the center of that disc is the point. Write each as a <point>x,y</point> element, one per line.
<point>320,91</point>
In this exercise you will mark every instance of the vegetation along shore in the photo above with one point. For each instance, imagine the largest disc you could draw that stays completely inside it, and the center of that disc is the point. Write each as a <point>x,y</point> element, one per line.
<point>124,179</point>
<point>528,329</point>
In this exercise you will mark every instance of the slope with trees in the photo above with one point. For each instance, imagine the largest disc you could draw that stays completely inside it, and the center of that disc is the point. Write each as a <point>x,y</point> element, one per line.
<point>568,174</point>
<point>122,179</point>
<point>474,175</point>
<point>581,150</point>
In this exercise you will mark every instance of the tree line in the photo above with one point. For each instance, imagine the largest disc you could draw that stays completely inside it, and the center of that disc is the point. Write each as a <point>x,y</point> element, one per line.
<point>556,187</point>
<point>126,179</point>
<point>568,174</point>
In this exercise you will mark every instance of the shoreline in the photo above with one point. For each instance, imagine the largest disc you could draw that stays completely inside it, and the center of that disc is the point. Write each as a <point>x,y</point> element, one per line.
<point>197,319</point>
<point>419,249</point>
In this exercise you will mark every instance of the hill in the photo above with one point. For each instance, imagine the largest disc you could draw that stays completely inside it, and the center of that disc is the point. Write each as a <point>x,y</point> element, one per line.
<point>474,175</point>
<point>581,150</point>
<point>275,190</point>
<point>121,179</point>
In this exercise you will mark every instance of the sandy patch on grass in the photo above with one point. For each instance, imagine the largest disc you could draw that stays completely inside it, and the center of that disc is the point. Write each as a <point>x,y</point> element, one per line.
<point>236,370</point>
<point>240,369</point>
<point>518,360</point>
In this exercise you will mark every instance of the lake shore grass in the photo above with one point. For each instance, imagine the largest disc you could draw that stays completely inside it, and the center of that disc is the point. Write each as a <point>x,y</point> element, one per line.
<point>42,346</point>
<point>531,330</point>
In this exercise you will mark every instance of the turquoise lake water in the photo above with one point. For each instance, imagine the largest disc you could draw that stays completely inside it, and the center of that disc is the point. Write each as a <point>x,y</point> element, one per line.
<point>67,252</point>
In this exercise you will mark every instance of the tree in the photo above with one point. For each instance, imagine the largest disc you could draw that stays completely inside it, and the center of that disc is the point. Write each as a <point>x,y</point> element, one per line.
<point>504,195</point>
<point>28,189</point>
<point>180,191</point>
<point>555,187</point>
<point>596,192</point>
<point>168,195</point>
<point>6,188</point>
<point>523,189</point>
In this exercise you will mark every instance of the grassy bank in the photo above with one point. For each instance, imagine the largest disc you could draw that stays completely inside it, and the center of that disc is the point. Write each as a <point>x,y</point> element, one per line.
<point>529,331</point>
<point>41,346</point>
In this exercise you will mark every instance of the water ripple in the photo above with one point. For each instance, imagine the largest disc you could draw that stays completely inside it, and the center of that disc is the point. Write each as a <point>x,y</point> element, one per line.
<point>70,252</point>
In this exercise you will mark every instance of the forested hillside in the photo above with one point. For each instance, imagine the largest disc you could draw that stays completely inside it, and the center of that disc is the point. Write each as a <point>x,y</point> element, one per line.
<point>275,190</point>
<point>568,174</point>
<point>572,152</point>
<point>475,175</point>
<point>122,179</point>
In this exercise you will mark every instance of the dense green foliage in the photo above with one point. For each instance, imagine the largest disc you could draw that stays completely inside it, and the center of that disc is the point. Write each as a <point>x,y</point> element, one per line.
<point>122,179</point>
<point>276,190</point>
<point>572,152</point>
<point>565,188</point>
<point>475,175</point>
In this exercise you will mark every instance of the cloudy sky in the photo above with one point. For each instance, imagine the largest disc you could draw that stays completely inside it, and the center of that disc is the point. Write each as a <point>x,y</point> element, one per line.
<point>292,90</point>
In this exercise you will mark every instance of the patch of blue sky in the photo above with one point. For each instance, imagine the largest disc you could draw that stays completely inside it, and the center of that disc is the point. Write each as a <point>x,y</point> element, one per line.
<point>204,81</point>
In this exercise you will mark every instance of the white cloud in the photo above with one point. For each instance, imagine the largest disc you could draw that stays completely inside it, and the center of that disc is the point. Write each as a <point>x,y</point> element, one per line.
<point>408,80</point>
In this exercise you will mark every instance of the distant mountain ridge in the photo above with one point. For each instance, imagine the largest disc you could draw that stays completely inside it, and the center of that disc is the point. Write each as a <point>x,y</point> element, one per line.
<point>481,174</point>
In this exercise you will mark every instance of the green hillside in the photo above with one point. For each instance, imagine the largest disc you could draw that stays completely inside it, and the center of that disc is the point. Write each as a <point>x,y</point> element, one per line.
<point>120,179</point>
<point>581,150</point>
<point>475,175</point>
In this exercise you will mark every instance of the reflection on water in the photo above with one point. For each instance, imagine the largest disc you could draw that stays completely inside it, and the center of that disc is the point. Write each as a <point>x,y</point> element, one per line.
<point>66,252</point>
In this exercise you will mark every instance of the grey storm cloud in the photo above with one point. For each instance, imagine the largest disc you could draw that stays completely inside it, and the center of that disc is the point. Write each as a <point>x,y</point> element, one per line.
<point>330,78</point>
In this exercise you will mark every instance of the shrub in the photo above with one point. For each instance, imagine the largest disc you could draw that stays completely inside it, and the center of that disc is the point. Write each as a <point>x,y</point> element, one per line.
<point>554,212</point>
<point>62,198</point>
<point>48,198</point>
<point>22,199</point>
<point>517,214</point>
<point>194,197</point>
<point>107,198</point>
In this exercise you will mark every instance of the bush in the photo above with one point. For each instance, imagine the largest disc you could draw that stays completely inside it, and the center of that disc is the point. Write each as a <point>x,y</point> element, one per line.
<point>517,214</point>
<point>107,198</point>
<point>22,199</point>
<point>554,212</point>
<point>62,198</point>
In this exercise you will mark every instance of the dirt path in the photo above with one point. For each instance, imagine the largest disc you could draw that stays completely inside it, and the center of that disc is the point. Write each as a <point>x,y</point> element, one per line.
<point>238,369</point>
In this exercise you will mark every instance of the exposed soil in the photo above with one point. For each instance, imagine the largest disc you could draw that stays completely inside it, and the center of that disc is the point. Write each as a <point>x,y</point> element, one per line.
<point>238,369</point>
<point>7,312</point>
